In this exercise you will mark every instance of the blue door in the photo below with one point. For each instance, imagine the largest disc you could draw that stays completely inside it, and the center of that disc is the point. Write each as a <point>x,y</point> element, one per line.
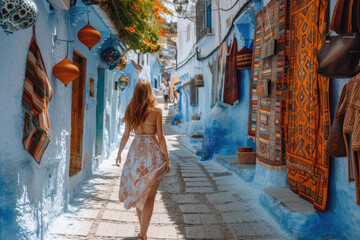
<point>100,106</point>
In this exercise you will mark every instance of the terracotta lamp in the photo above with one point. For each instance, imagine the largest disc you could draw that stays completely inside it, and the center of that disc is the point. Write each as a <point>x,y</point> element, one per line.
<point>89,36</point>
<point>66,71</point>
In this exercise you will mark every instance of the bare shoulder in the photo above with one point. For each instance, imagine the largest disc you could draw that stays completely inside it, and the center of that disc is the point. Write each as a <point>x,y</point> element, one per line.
<point>157,110</point>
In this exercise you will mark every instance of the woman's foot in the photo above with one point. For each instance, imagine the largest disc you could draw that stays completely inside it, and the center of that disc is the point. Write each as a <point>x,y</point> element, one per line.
<point>140,237</point>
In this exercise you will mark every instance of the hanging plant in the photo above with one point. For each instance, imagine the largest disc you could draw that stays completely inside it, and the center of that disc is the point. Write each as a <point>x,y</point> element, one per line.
<point>140,23</point>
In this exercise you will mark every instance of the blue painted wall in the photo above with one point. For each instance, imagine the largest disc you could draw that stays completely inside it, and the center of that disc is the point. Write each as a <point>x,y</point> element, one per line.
<point>127,93</point>
<point>155,71</point>
<point>27,204</point>
<point>225,128</point>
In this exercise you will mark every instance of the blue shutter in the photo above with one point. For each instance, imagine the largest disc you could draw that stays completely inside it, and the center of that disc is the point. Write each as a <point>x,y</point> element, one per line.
<point>208,15</point>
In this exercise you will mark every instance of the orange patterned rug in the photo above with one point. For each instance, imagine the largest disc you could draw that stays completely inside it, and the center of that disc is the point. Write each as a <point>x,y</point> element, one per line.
<point>308,113</point>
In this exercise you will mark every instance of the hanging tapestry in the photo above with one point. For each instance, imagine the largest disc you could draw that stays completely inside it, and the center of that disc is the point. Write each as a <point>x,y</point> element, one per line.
<point>346,16</point>
<point>268,88</point>
<point>308,114</point>
<point>214,83</point>
<point>223,50</point>
<point>347,125</point>
<point>230,95</point>
<point>36,97</point>
<point>254,76</point>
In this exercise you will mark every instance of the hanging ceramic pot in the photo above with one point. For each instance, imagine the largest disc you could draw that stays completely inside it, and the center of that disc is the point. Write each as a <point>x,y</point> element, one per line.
<point>89,36</point>
<point>16,15</point>
<point>66,71</point>
<point>123,81</point>
<point>122,63</point>
<point>111,56</point>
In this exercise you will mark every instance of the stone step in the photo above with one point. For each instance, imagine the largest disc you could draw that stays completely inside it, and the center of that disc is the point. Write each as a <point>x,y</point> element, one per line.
<point>246,172</point>
<point>294,214</point>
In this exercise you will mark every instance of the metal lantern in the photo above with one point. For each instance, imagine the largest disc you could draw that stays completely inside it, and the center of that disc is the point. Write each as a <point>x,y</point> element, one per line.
<point>16,15</point>
<point>123,81</point>
<point>122,64</point>
<point>111,56</point>
<point>181,5</point>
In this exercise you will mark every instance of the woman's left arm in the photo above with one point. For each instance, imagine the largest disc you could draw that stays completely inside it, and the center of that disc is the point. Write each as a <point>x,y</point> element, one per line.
<point>123,142</point>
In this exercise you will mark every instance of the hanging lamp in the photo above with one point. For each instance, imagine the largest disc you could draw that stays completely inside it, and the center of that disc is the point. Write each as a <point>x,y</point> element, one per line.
<point>89,36</point>
<point>66,71</point>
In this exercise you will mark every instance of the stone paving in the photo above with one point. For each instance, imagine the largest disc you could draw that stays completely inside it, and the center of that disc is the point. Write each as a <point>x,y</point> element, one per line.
<point>197,200</point>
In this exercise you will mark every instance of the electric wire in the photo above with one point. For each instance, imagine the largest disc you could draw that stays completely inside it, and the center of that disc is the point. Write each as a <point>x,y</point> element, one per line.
<point>200,59</point>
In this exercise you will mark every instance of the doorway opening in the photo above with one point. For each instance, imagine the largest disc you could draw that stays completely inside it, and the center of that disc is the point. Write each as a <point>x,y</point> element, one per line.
<point>100,107</point>
<point>77,114</point>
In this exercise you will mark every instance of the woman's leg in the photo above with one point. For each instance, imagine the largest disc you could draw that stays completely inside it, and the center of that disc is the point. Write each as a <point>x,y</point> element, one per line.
<point>138,213</point>
<point>148,210</point>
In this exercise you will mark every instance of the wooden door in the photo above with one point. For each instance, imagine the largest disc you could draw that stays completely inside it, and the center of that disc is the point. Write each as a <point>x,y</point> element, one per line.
<point>77,114</point>
<point>100,106</point>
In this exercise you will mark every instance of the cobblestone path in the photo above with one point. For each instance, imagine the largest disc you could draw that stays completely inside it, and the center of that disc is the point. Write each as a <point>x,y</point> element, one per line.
<point>197,200</point>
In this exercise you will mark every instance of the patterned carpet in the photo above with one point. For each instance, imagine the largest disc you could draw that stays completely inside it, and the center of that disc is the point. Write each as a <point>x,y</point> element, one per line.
<point>268,86</point>
<point>308,114</point>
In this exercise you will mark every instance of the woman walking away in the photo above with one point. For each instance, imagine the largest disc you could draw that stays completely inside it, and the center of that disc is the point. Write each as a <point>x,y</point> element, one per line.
<point>148,160</point>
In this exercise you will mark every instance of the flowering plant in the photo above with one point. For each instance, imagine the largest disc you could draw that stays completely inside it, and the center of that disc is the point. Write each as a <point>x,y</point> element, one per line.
<point>140,23</point>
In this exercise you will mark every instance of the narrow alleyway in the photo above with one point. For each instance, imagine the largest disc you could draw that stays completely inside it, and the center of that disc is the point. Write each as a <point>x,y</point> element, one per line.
<point>197,200</point>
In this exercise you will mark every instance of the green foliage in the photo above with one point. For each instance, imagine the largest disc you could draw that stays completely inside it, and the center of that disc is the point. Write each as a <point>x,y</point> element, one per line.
<point>139,22</point>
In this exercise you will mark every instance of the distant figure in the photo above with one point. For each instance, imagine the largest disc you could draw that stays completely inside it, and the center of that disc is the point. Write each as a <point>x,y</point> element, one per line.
<point>148,160</point>
<point>166,91</point>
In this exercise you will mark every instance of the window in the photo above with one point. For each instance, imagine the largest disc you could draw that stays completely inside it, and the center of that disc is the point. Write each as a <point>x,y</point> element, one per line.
<point>208,15</point>
<point>91,87</point>
<point>188,33</point>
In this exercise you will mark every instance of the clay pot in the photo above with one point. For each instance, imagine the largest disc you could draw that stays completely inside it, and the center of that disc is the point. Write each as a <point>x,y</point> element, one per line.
<point>66,71</point>
<point>89,36</point>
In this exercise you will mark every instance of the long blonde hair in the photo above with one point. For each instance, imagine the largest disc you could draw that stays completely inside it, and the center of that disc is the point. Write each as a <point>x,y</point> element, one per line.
<point>142,101</point>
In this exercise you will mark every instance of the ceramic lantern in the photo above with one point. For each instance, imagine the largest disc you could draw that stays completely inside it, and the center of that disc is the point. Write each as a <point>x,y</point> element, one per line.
<point>89,36</point>
<point>16,15</point>
<point>66,71</point>
<point>111,56</point>
<point>123,81</point>
<point>122,63</point>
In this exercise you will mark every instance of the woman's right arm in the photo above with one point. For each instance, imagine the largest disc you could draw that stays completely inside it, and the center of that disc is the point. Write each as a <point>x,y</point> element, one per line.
<point>161,137</point>
<point>123,142</point>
